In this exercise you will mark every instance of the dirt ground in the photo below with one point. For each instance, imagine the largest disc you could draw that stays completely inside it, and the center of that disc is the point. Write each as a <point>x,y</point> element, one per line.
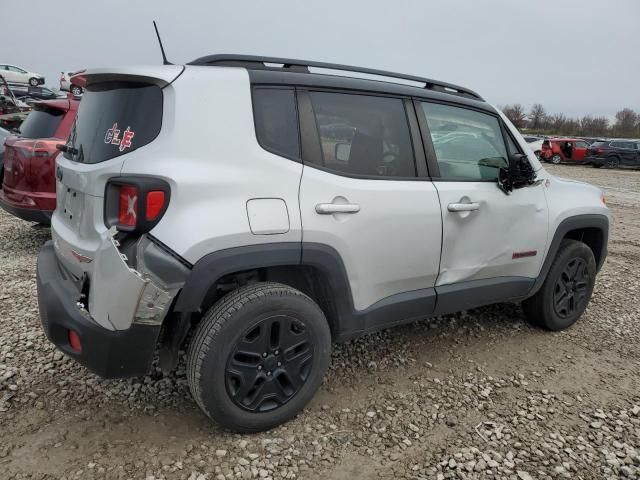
<point>479,394</point>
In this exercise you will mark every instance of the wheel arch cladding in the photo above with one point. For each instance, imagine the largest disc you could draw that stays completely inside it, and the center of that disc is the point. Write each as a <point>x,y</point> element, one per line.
<point>591,229</point>
<point>316,270</point>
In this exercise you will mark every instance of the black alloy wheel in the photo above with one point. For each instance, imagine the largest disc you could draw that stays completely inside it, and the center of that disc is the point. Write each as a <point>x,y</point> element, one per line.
<point>572,288</point>
<point>269,364</point>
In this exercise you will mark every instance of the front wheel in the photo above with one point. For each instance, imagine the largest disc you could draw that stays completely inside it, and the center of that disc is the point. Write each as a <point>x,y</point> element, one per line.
<point>556,159</point>
<point>258,356</point>
<point>76,90</point>
<point>566,291</point>
<point>34,82</point>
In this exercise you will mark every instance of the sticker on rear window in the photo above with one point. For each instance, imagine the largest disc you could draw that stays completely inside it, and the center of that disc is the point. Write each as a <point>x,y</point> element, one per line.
<point>112,136</point>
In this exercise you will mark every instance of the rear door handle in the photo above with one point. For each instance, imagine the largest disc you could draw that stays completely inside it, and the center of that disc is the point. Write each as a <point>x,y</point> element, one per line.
<point>463,207</point>
<point>331,208</point>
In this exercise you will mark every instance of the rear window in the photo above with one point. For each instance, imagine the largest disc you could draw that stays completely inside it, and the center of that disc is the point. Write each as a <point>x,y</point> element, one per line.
<point>42,122</point>
<point>115,118</point>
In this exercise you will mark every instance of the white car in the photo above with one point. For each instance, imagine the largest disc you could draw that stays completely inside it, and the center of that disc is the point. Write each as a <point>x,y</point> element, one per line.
<point>535,144</point>
<point>14,74</point>
<point>66,86</point>
<point>245,227</point>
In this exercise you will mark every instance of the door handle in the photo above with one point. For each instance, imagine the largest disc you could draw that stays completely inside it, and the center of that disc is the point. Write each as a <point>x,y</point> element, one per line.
<point>331,208</point>
<point>463,207</point>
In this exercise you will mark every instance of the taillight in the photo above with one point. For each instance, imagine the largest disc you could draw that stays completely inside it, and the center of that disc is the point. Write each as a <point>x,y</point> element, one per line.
<point>135,204</point>
<point>155,204</point>
<point>40,149</point>
<point>128,205</point>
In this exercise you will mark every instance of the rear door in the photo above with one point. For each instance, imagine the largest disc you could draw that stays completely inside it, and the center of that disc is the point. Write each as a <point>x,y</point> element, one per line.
<point>363,193</point>
<point>487,235</point>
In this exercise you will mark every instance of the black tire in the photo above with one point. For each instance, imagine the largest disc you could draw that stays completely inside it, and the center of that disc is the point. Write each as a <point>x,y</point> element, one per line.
<point>34,82</point>
<point>556,159</point>
<point>613,162</point>
<point>76,90</point>
<point>562,299</point>
<point>220,375</point>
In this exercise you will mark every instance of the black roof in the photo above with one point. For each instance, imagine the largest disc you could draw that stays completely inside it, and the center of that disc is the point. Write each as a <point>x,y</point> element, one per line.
<point>301,67</point>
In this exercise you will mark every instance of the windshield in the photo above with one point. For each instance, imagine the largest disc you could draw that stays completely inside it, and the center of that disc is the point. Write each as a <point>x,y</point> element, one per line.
<point>115,118</point>
<point>42,122</point>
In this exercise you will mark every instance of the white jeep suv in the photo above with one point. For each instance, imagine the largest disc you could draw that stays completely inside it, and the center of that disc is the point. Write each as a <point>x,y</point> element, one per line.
<point>260,209</point>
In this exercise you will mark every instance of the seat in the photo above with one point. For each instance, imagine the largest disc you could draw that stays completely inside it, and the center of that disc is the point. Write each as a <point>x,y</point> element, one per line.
<point>366,152</point>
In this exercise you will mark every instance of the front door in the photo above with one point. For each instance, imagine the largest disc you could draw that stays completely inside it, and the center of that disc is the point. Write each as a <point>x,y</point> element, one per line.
<point>486,233</point>
<point>361,195</point>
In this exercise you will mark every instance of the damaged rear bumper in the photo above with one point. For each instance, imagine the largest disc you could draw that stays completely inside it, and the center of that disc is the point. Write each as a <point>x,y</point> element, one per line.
<point>109,353</point>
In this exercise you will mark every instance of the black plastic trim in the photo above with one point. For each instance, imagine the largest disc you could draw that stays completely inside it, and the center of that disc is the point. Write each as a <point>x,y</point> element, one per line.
<point>599,222</point>
<point>212,267</point>
<point>477,293</point>
<point>396,309</point>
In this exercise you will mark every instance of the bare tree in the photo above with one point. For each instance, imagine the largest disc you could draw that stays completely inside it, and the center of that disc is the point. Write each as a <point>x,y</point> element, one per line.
<point>515,113</point>
<point>537,116</point>
<point>557,122</point>
<point>626,120</point>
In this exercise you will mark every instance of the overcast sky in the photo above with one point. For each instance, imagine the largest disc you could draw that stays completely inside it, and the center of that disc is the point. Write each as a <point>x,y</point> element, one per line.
<point>573,56</point>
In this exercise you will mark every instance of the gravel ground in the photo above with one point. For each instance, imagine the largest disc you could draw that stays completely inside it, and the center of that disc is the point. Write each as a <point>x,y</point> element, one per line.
<point>476,395</point>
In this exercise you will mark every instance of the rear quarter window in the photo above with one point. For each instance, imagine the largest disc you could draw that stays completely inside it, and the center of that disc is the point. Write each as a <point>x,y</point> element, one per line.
<point>276,121</point>
<point>42,122</point>
<point>115,118</point>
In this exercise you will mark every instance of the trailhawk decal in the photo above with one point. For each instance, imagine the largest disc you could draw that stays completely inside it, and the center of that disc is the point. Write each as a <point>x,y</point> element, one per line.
<point>112,136</point>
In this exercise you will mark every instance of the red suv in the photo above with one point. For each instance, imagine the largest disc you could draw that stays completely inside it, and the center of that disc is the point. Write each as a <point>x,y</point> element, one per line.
<point>557,150</point>
<point>29,182</point>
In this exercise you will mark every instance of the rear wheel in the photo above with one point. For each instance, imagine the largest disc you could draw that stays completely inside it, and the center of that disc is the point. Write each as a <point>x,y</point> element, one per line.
<point>76,90</point>
<point>556,159</point>
<point>258,356</point>
<point>567,289</point>
<point>33,81</point>
<point>613,162</point>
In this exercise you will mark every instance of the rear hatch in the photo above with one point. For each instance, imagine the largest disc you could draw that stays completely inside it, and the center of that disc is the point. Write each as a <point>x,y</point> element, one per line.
<point>120,113</point>
<point>31,153</point>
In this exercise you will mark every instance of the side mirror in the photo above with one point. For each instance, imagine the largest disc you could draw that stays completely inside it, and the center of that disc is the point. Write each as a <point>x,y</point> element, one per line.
<point>342,152</point>
<point>519,174</point>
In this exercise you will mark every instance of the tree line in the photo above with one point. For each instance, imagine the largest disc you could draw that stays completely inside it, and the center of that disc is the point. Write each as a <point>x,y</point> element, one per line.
<point>537,120</point>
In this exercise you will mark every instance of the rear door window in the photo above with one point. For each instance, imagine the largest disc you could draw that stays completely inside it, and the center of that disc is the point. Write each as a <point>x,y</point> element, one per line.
<point>115,118</point>
<point>42,122</point>
<point>364,135</point>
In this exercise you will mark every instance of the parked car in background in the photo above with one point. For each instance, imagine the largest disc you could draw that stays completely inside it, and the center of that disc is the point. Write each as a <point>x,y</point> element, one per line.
<point>558,150</point>
<point>29,183</point>
<point>67,86</point>
<point>614,153</point>
<point>3,135</point>
<point>14,74</point>
<point>535,144</point>
<point>29,93</point>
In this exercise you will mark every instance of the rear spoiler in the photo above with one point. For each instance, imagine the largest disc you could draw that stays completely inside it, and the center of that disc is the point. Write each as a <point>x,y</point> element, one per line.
<point>156,75</point>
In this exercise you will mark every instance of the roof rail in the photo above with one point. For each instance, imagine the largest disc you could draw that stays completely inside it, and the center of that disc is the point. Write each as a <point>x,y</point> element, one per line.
<point>302,66</point>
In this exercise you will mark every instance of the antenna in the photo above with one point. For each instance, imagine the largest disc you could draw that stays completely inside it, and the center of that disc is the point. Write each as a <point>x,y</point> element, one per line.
<point>164,56</point>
